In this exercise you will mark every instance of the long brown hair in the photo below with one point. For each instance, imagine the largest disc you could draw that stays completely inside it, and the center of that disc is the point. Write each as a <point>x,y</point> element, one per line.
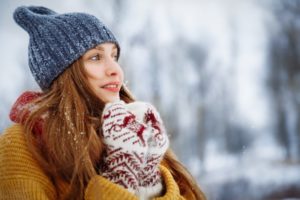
<point>70,148</point>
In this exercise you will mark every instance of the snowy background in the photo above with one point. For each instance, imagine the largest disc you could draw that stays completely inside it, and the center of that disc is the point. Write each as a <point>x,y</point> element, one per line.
<point>225,75</point>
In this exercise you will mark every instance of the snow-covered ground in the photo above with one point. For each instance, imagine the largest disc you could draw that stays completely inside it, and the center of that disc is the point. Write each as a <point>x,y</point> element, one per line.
<point>259,173</point>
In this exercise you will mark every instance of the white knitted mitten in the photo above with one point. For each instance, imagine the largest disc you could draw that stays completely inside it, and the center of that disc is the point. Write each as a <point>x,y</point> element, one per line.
<point>150,183</point>
<point>126,146</point>
<point>136,142</point>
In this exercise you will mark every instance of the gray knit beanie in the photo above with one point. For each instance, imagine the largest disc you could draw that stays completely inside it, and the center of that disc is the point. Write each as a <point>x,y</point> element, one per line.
<point>57,40</point>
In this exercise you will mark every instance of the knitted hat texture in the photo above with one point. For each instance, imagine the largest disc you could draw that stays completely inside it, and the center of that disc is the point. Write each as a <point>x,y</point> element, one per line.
<point>57,40</point>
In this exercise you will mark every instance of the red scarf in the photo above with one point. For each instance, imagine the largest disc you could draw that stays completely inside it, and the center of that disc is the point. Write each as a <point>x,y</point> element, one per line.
<point>22,107</point>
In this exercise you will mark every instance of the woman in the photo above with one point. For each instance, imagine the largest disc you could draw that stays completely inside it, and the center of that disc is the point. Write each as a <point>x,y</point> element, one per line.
<point>83,136</point>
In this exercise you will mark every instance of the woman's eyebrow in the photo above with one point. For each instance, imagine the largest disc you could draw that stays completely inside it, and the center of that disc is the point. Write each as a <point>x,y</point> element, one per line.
<point>102,49</point>
<point>99,48</point>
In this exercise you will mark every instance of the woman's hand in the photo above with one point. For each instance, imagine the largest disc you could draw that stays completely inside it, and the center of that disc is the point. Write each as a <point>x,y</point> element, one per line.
<point>136,142</point>
<point>126,145</point>
<point>157,142</point>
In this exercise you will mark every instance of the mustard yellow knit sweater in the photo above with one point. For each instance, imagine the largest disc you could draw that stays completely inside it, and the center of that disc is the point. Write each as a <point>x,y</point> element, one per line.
<point>22,178</point>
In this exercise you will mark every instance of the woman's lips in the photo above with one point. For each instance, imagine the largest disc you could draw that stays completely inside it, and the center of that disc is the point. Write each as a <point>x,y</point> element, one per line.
<point>112,87</point>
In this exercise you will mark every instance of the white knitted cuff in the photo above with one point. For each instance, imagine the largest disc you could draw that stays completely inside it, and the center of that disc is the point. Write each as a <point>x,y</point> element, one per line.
<point>149,192</point>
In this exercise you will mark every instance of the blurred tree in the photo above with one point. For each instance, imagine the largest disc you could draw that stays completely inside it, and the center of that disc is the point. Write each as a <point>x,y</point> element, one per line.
<point>284,75</point>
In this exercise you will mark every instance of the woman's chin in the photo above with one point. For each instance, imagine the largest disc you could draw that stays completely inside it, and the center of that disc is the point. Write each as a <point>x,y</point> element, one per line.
<point>110,99</point>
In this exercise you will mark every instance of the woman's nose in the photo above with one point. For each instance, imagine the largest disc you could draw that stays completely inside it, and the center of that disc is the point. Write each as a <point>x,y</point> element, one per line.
<point>111,72</point>
<point>112,68</point>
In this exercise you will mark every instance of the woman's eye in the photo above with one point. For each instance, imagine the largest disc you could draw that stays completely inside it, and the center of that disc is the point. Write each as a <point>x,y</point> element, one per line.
<point>115,57</point>
<point>95,57</point>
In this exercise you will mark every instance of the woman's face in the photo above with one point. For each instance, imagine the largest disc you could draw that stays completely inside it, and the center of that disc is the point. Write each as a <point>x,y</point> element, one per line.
<point>103,71</point>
